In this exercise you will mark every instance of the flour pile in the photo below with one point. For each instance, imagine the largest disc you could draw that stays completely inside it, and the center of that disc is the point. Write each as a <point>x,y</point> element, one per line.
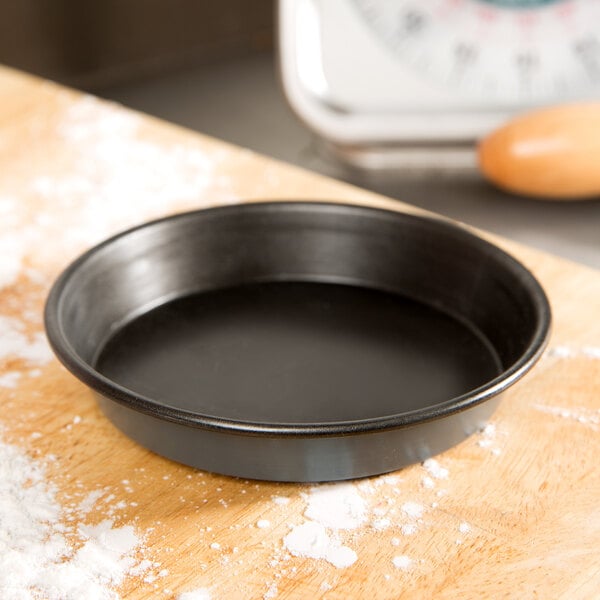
<point>331,508</point>
<point>42,558</point>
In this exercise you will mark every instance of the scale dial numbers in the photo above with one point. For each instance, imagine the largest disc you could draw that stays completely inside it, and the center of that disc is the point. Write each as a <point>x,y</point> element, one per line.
<point>514,52</point>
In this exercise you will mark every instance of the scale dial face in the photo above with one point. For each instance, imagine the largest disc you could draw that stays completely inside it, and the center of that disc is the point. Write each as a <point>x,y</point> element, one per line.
<point>383,73</point>
<point>502,52</point>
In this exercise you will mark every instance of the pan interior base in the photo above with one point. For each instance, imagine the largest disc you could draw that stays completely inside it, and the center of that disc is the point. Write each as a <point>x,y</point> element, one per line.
<point>295,352</point>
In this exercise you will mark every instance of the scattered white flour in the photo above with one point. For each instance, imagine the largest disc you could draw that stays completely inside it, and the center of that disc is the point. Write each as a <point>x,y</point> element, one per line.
<point>117,177</point>
<point>281,500</point>
<point>402,562</point>
<point>391,479</point>
<point>11,258</point>
<point>408,529</point>
<point>215,546</point>
<point>428,483</point>
<point>272,592</point>
<point>489,430</point>
<point>15,343</point>
<point>198,594</point>
<point>381,524</point>
<point>86,505</point>
<point>311,540</point>
<point>561,352</point>
<point>37,555</point>
<point>141,568</point>
<point>107,552</point>
<point>413,509</point>
<point>434,469</point>
<point>10,379</point>
<point>464,527</point>
<point>263,523</point>
<point>584,416</point>
<point>487,438</point>
<point>337,506</point>
<point>592,352</point>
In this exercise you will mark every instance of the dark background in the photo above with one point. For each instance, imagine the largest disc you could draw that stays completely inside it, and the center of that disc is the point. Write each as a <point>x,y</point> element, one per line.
<point>97,43</point>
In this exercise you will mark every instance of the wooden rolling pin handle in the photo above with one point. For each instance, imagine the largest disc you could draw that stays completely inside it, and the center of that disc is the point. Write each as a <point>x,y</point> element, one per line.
<point>552,153</point>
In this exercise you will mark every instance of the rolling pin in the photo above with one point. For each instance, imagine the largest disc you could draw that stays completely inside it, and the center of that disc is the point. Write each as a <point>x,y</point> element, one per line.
<point>552,153</point>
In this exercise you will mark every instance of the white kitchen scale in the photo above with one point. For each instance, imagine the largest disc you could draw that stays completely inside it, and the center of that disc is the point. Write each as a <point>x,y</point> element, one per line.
<point>393,82</point>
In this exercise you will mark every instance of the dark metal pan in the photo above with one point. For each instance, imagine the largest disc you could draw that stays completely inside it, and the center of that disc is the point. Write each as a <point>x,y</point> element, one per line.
<point>297,341</point>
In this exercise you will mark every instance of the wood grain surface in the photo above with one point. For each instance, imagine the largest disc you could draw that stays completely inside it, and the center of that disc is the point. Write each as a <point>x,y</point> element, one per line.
<point>518,514</point>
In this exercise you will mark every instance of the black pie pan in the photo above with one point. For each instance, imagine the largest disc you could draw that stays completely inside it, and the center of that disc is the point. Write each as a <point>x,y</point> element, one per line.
<point>297,341</point>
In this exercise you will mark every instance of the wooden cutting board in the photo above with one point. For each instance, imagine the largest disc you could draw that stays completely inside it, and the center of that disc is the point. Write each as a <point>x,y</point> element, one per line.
<point>512,512</point>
